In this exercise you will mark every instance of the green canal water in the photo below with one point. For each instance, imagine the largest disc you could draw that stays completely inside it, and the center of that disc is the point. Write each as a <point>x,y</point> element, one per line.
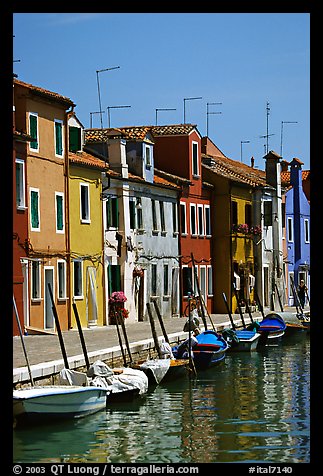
<point>254,407</point>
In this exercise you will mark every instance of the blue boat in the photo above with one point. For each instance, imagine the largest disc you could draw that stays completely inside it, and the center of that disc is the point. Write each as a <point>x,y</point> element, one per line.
<point>272,328</point>
<point>241,340</point>
<point>209,350</point>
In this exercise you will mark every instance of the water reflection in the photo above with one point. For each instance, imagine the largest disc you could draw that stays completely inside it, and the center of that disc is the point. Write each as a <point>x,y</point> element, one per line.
<point>252,408</point>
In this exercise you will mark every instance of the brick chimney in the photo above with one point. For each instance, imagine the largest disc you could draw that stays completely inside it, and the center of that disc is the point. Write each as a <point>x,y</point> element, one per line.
<point>273,169</point>
<point>252,160</point>
<point>117,155</point>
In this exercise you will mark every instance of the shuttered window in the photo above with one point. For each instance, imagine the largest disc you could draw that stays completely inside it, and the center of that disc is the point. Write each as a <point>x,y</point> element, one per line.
<point>112,212</point>
<point>59,197</point>
<point>74,139</point>
<point>114,278</point>
<point>58,137</point>
<point>33,130</point>
<point>34,209</point>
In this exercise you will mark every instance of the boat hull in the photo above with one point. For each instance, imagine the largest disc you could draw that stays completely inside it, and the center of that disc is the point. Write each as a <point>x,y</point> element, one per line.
<point>248,342</point>
<point>272,329</point>
<point>210,350</point>
<point>57,402</point>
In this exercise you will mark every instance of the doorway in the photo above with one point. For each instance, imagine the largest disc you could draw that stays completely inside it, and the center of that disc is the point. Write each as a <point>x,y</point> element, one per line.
<point>48,311</point>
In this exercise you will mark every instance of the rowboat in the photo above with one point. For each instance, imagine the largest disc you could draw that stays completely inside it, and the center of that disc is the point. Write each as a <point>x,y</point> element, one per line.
<point>43,403</point>
<point>162,370</point>
<point>272,328</point>
<point>241,340</point>
<point>295,324</point>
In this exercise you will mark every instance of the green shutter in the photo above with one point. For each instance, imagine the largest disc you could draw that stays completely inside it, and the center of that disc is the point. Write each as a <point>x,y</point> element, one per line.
<point>33,131</point>
<point>74,139</point>
<point>59,213</point>
<point>34,209</point>
<point>59,139</point>
<point>132,211</point>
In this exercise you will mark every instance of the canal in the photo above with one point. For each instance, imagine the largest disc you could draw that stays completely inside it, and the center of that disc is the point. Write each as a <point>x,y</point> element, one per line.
<point>254,407</point>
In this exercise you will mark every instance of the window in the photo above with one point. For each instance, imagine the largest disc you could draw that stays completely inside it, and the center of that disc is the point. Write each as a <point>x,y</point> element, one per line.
<point>306,230</point>
<point>268,213</point>
<point>195,164</point>
<point>58,137</point>
<point>200,218</point>
<point>154,215</point>
<point>154,279</point>
<point>78,278</point>
<point>193,218</point>
<point>283,215</point>
<point>84,203</point>
<point>59,205</point>
<point>203,282</point>
<point>114,278</point>
<point>74,139</point>
<point>166,282</point>
<point>209,281</point>
<point>175,218</point>
<point>290,234</point>
<point>20,183</point>
<point>247,212</point>
<point>148,156</point>
<point>33,131</point>
<point>112,213</point>
<point>61,279</point>
<point>132,212</point>
<point>187,280</point>
<point>139,213</point>
<point>162,216</point>
<point>34,209</point>
<point>183,218</point>
<point>234,212</point>
<point>207,219</point>
<point>35,279</point>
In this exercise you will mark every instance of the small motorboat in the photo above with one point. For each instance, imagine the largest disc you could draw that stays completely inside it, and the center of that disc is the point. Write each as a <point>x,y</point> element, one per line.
<point>243,340</point>
<point>208,351</point>
<point>295,324</point>
<point>272,328</point>
<point>52,402</point>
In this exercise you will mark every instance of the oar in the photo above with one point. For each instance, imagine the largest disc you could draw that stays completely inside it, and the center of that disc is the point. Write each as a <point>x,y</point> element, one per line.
<point>296,297</point>
<point>78,322</point>
<point>259,304</point>
<point>240,311</point>
<point>228,311</point>
<point>119,338</point>
<point>190,350</point>
<point>22,342</point>
<point>280,302</point>
<point>199,290</point>
<point>249,312</point>
<point>123,326</point>
<point>59,332</point>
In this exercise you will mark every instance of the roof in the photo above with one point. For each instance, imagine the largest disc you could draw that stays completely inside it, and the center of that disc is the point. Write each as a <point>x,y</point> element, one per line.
<point>86,160</point>
<point>285,176</point>
<point>131,133</point>
<point>234,170</point>
<point>173,129</point>
<point>45,92</point>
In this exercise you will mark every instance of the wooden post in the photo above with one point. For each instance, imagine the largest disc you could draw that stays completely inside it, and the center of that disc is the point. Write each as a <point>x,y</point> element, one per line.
<point>190,350</point>
<point>160,319</point>
<point>259,304</point>
<point>123,326</point>
<point>249,312</point>
<point>280,302</point>
<point>199,291</point>
<point>119,338</point>
<point>153,330</point>
<point>241,315</point>
<point>78,322</point>
<point>22,342</point>
<point>229,312</point>
<point>59,332</point>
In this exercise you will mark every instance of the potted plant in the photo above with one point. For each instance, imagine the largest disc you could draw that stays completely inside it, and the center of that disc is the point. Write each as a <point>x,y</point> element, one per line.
<point>243,306</point>
<point>116,305</point>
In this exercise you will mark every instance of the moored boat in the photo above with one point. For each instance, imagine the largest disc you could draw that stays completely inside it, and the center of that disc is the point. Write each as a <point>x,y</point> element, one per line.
<point>52,402</point>
<point>272,328</point>
<point>241,340</point>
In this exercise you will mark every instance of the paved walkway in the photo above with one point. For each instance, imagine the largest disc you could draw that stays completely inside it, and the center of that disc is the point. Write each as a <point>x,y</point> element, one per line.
<point>44,352</point>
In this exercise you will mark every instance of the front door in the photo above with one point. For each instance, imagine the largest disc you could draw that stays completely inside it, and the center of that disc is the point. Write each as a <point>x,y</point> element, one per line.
<point>48,311</point>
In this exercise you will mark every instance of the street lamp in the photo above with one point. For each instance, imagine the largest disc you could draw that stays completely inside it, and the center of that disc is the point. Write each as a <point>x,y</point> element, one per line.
<point>163,109</point>
<point>113,107</point>
<point>281,134</point>
<point>243,142</point>
<point>207,114</point>
<point>99,94</point>
<point>188,99</point>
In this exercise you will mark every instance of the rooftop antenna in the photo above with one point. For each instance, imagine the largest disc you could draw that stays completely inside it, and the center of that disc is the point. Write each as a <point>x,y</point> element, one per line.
<point>207,114</point>
<point>189,99</point>
<point>113,107</point>
<point>99,93</point>
<point>243,142</point>
<point>163,109</point>
<point>267,128</point>
<point>281,134</point>
<point>91,114</point>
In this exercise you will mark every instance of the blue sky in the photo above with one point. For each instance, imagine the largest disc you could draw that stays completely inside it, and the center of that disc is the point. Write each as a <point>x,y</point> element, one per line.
<point>241,60</point>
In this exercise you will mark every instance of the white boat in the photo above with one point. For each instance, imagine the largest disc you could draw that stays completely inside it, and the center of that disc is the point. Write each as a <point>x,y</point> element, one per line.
<point>57,402</point>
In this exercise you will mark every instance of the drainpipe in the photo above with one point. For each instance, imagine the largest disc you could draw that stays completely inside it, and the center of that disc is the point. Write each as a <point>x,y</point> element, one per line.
<point>67,221</point>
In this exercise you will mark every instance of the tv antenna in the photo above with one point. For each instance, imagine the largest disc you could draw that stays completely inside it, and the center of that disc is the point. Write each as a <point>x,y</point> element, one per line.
<point>208,112</point>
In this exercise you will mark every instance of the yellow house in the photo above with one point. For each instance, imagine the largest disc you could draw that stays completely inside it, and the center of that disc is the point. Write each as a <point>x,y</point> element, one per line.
<point>234,229</point>
<point>86,238</point>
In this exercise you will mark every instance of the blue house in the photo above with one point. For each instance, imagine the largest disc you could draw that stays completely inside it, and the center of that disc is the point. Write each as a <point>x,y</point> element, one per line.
<point>297,210</point>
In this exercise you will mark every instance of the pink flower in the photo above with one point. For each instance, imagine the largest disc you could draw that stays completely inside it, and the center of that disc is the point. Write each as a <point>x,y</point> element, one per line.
<point>117,296</point>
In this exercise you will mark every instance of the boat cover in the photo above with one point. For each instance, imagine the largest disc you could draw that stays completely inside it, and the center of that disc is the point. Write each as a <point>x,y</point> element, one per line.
<point>128,379</point>
<point>159,367</point>
<point>72,377</point>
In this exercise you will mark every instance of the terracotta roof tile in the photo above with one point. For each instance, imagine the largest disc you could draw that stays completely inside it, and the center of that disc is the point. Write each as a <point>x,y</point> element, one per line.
<point>45,92</point>
<point>234,170</point>
<point>173,129</point>
<point>130,133</point>
<point>86,160</point>
<point>285,176</point>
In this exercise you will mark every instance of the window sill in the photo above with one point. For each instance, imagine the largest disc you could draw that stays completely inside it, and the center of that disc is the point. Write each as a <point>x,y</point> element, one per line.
<point>78,298</point>
<point>155,232</point>
<point>184,234</point>
<point>154,297</point>
<point>196,177</point>
<point>62,299</point>
<point>175,233</point>
<point>166,297</point>
<point>86,222</point>
<point>163,233</point>
<point>22,208</point>
<point>36,300</point>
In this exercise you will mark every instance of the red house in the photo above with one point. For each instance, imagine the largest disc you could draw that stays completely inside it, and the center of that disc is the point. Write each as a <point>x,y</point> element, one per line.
<point>178,151</point>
